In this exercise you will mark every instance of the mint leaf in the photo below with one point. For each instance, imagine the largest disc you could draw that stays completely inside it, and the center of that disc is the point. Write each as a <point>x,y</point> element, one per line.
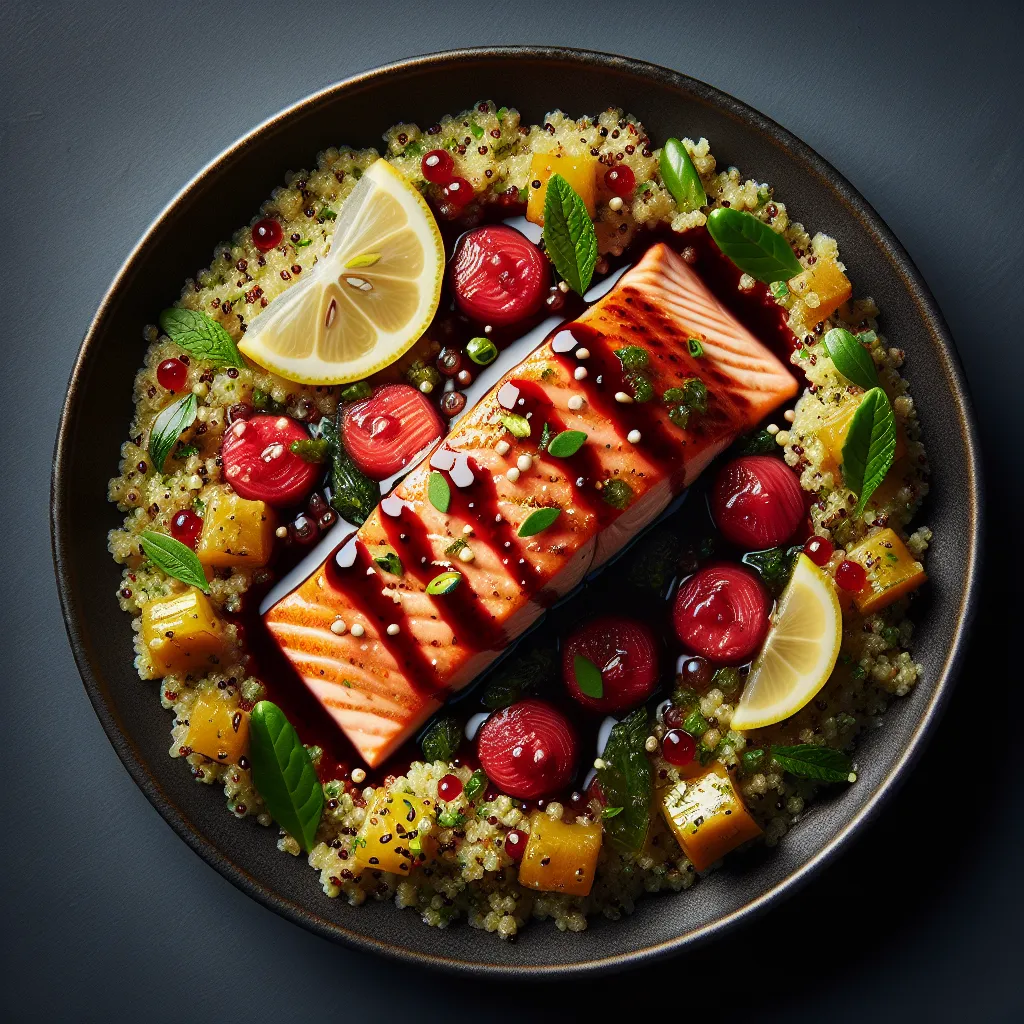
<point>752,245</point>
<point>538,520</point>
<point>869,447</point>
<point>851,358</point>
<point>441,741</point>
<point>167,428</point>
<point>438,492</point>
<point>175,559</point>
<point>569,236</point>
<point>681,177</point>
<point>588,677</point>
<point>200,336</point>
<point>626,781</point>
<point>566,443</point>
<point>810,762</point>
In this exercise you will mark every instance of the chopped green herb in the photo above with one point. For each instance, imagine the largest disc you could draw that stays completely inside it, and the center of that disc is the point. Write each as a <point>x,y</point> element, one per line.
<point>442,739</point>
<point>451,819</point>
<point>328,214</point>
<point>311,449</point>
<point>633,357</point>
<point>455,547</point>
<point>617,493</point>
<point>727,679</point>
<point>478,132</point>
<point>695,723</point>
<point>780,290</point>
<point>302,243</point>
<point>444,583</point>
<point>389,562</point>
<point>639,385</point>
<point>419,373</point>
<point>186,451</point>
<point>356,390</point>
<point>502,111</point>
<point>696,348</point>
<point>588,677</point>
<point>545,438</point>
<point>752,760</point>
<point>764,193</point>
<point>518,426</point>
<point>538,520</point>
<point>760,442</point>
<point>199,507</point>
<point>773,566</point>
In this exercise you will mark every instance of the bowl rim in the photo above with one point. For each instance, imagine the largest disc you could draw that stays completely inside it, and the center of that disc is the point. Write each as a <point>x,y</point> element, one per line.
<point>900,263</point>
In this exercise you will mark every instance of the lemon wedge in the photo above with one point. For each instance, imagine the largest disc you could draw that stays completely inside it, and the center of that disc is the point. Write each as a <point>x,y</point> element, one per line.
<point>799,652</point>
<point>368,300</point>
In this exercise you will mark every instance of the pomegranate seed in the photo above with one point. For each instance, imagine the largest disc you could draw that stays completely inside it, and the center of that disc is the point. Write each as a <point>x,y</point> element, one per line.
<point>437,166</point>
<point>266,234</point>
<point>449,787</point>
<point>851,576</point>
<point>678,747</point>
<point>620,180</point>
<point>172,374</point>
<point>458,192</point>
<point>515,844</point>
<point>818,550</point>
<point>186,527</point>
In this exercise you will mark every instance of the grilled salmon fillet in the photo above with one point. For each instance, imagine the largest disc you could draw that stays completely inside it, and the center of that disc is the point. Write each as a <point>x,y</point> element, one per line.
<point>410,649</point>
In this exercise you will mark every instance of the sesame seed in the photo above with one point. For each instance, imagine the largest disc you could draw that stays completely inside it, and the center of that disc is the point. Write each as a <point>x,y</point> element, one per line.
<point>615,203</point>
<point>651,744</point>
<point>575,403</point>
<point>782,437</point>
<point>563,287</point>
<point>358,776</point>
<point>789,415</point>
<point>426,387</point>
<point>281,531</point>
<point>772,428</point>
<point>466,555</point>
<point>583,353</point>
<point>394,629</point>
<point>338,627</point>
<point>524,462</point>
<point>633,437</point>
<point>467,529</point>
<point>580,372</point>
<point>598,763</point>
<point>488,328</point>
<point>512,474</point>
<point>357,630</point>
<point>621,396</point>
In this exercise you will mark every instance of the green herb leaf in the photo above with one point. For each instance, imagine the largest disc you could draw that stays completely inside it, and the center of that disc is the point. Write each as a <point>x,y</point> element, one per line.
<point>476,785</point>
<point>810,762</point>
<point>175,559</point>
<point>681,177</point>
<point>444,583</point>
<point>696,347</point>
<point>356,390</point>
<point>518,426</point>
<point>478,132</point>
<point>566,443</point>
<point>451,819</point>
<point>312,449</point>
<point>283,773</point>
<point>328,214</point>
<point>851,358</point>
<point>438,491</point>
<point>639,384</point>
<point>366,259</point>
<point>617,493</point>
<point>525,675</point>
<point>168,426</point>
<point>545,438</point>
<point>441,741</point>
<point>538,520</point>
<point>752,245</point>
<point>455,547</point>
<point>186,451</point>
<point>869,447</point>
<point>200,336</point>
<point>390,562</point>
<point>633,357</point>
<point>481,350</point>
<point>302,243</point>
<point>626,780</point>
<point>779,289</point>
<point>588,677</point>
<point>569,236</point>
<point>353,494</point>
<point>611,812</point>
<point>752,760</point>
<point>760,442</point>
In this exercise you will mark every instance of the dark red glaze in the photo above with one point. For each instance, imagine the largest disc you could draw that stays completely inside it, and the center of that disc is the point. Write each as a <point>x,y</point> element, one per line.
<point>721,612</point>
<point>851,576</point>
<point>260,465</point>
<point>678,747</point>
<point>818,550</point>
<point>186,527</point>
<point>437,166</point>
<point>385,432</point>
<point>266,234</point>
<point>757,502</point>
<point>515,843</point>
<point>499,276</point>
<point>449,788</point>
<point>457,192</point>
<point>529,749</point>
<point>625,651</point>
<point>621,180</point>
<point>172,374</point>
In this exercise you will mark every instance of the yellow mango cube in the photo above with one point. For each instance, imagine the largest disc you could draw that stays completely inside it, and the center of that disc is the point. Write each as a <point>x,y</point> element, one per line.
<point>892,570</point>
<point>579,171</point>
<point>707,816</point>
<point>236,531</point>
<point>560,856</point>
<point>390,838</point>
<point>182,633</point>
<point>832,287</point>
<point>217,730</point>
<point>832,434</point>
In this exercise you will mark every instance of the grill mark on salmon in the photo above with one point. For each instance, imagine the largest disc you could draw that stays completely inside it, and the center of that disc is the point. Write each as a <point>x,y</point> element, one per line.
<point>380,686</point>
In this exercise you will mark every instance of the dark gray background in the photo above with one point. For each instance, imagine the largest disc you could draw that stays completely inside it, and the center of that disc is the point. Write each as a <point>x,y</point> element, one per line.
<point>106,111</point>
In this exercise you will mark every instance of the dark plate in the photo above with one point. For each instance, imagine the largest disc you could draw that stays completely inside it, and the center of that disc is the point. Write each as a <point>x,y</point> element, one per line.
<point>356,112</point>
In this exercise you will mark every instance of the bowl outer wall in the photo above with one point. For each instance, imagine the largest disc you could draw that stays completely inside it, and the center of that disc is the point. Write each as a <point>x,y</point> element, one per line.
<point>355,112</point>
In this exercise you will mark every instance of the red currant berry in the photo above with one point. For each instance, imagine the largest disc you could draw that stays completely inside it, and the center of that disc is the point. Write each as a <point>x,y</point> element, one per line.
<point>186,527</point>
<point>818,550</point>
<point>437,166</point>
<point>266,234</point>
<point>620,180</point>
<point>172,374</point>
<point>851,576</point>
<point>458,193</point>
<point>678,747</point>
<point>515,844</point>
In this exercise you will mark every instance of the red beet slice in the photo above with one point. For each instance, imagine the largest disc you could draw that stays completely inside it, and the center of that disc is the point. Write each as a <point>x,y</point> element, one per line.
<point>757,502</point>
<point>722,613</point>
<point>625,651</point>
<point>260,465</point>
<point>499,276</point>
<point>385,432</point>
<point>528,750</point>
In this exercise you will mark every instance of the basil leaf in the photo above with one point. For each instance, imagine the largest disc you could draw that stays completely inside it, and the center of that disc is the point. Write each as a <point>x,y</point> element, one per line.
<point>752,245</point>
<point>588,677</point>
<point>200,336</point>
<point>167,428</point>
<point>518,426</point>
<point>283,773</point>
<point>438,491</point>
<point>444,583</point>
<point>477,784</point>
<point>681,177</point>
<point>566,443</point>
<point>353,494</point>
<point>869,446</point>
<point>441,741</point>
<point>538,520</point>
<point>626,781</point>
<point>810,762</point>
<point>390,562</point>
<point>569,236</point>
<point>851,358</point>
<point>175,559</point>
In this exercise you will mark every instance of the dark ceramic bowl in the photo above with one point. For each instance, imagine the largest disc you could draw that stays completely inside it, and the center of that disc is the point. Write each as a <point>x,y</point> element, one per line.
<point>356,112</point>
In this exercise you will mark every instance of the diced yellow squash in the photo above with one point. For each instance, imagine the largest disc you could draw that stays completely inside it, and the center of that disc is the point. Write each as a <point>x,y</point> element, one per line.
<point>390,838</point>
<point>579,171</point>
<point>707,816</point>
<point>892,570</point>
<point>560,856</point>
<point>832,434</point>
<point>218,730</point>
<point>182,633</point>
<point>832,287</point>
<point>236,531</point>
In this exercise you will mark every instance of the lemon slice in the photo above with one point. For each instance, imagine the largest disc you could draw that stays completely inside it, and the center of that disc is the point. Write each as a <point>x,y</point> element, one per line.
<point>368,300</point>
<point>799,652</point>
